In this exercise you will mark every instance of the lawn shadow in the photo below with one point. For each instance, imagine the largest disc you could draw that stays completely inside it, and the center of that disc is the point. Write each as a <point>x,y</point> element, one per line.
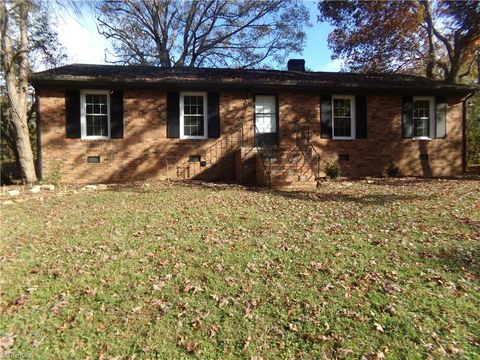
<point>370,199</point>
<point>457,259</point>
<point>420,180</point>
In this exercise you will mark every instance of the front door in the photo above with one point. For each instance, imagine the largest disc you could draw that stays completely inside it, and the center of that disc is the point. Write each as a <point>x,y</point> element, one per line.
<point>266,121</point>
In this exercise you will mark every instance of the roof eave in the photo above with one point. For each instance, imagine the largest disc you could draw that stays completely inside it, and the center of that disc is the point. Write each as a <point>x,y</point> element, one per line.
<point>82,82</point>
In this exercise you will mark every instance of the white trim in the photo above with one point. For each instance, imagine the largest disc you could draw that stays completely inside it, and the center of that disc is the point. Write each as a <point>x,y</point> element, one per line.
<point>431,127</point>
<point>205,111</point>
<point>352,117</point>
<point>83,110</point>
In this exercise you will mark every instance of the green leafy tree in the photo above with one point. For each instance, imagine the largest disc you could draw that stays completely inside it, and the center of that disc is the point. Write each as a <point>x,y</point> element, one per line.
<point>437,38</point>
<point>210,33</point>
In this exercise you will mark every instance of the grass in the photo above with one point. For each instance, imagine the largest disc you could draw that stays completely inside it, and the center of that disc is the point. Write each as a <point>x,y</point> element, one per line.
<point>386,269</point>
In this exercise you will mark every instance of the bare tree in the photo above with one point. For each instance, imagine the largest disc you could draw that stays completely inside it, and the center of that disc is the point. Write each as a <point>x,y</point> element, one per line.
<point>15,67</point>
<point>27,39</point>
<point>203,33</point>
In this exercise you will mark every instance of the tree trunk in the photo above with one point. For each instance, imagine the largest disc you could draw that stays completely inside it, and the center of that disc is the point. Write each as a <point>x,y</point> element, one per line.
<point>17,88</point>
<point>24,147</point>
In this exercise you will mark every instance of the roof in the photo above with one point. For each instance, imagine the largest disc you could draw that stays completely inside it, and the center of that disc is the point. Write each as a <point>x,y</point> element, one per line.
<point>116,75</point>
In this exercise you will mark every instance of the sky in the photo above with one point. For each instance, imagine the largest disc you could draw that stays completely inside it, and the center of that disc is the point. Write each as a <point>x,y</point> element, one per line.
<point>85,45</point>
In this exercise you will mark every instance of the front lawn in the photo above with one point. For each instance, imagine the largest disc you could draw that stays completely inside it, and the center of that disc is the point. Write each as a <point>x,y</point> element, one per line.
<point>377,269</point>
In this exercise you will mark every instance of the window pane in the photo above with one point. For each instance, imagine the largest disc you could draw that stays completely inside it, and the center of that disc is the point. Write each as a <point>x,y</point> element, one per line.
<point>96,114</point>
<point>420,127</point>
<point>266,123</point>
<point>97,125</point>
<point>265,104</point>
<point>193,115</point>
<point>341,107</point>
<point>342,126</point>
<point>193,125</point>
<point>421,109</point>
<point>421,117</point>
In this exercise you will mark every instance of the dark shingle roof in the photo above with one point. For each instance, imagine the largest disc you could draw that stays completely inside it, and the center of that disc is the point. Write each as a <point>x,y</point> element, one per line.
<point>85,73</point>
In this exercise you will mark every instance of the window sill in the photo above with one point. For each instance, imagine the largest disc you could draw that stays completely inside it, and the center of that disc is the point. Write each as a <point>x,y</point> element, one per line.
<point>343,138</point>
<point>422,138</point>
<point>194,138</point>
<point>95,138</point>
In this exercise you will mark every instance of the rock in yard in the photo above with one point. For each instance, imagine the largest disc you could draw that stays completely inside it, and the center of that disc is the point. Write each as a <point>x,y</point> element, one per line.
<point>49,187</point>
<point>102,187</point>
<point>35,189</point>
<point>90,187</point>
<point>14,192</point>
<point>8,202</point>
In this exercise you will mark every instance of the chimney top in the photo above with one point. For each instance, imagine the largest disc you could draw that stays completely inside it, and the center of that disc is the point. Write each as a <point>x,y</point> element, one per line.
<point>296,65</point>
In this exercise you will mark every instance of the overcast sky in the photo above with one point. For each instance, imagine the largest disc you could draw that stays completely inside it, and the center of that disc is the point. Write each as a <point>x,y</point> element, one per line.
<point>85,45</point>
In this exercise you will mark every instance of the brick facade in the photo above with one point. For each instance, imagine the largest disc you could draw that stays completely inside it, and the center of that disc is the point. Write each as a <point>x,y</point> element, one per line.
<point>146,152</point>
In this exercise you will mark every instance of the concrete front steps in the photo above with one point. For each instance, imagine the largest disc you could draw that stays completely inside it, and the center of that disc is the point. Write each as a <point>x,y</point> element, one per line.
<point>288,169</point>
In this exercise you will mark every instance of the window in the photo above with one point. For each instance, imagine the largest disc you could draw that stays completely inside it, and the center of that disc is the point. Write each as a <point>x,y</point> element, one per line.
<point>423,117</point>
<point>193,109</point>
<point>266,114</point>
<point>343,108</point>
<point>95,114</point>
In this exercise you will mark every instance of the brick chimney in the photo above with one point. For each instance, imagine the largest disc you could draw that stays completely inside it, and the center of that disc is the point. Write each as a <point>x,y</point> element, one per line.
<point>296,65</point>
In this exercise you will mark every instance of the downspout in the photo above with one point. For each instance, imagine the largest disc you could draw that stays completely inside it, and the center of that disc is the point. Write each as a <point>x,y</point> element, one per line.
<point>39,136</point>
<point>464,132</point>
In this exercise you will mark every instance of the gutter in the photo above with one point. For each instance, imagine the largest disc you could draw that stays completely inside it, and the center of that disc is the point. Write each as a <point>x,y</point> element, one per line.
<point>464,132</point>
<point>271,86</point>
<point>39,136</point>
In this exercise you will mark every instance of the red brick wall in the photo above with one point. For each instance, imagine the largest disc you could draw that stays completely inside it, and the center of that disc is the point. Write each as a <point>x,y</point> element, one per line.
<point>384,143</point>
<point>146,152</point>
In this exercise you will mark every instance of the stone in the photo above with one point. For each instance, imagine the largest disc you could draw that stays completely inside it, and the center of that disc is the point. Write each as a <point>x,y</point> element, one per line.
<point>102,187</point>
<point>49,187</point>
<point>90,187</point>
<point>8,202</point>
<point>35,189</point>
<point>15,192</point>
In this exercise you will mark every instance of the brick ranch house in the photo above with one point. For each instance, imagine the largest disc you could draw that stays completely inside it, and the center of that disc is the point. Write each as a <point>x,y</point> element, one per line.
<point>106,123</point>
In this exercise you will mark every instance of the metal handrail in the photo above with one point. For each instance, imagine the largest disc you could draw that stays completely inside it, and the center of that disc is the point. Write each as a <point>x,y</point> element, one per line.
<point>305,139</point>
<point>238,131</point>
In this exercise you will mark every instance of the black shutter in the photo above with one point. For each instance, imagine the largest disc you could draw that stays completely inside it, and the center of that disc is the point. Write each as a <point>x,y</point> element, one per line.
<point>361,117</point>
<point>440,117</point>
<point>116,114</point>
<point>72,111</point>
<point>407,117</point>
<point>173,114</point>
<point>326,116</point>
<point>213,115</point>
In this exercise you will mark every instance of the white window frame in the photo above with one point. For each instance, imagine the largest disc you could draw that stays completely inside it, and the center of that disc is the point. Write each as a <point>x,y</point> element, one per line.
<point>431,107</point>
<point>205,111</point>
<point>352,112</point>
<point>83,113</point>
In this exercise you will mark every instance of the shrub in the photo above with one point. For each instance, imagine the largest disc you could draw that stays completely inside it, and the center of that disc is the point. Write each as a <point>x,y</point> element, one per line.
<point>55,175</point>
<point>333,170</point>
<point>393,170</point>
